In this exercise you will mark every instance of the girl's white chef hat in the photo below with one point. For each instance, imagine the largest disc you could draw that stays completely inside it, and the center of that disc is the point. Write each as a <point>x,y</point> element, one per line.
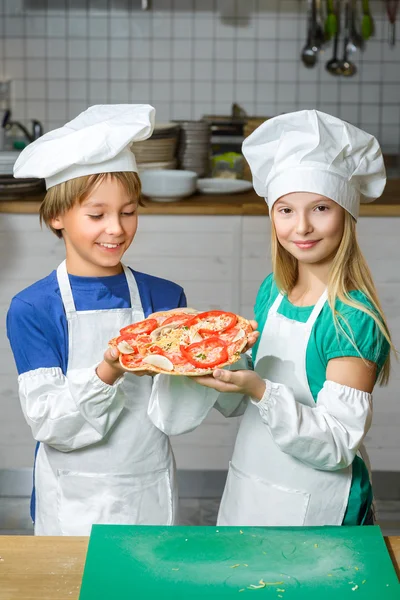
<point>96,141</point>
<point>310,151</point>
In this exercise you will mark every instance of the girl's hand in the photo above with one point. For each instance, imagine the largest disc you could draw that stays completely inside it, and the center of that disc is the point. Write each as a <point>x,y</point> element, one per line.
<point>243,382</point>
<point>252,338</point>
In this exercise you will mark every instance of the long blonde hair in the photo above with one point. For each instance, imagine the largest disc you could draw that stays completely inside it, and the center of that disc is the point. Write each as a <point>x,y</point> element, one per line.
<point>349,271</point>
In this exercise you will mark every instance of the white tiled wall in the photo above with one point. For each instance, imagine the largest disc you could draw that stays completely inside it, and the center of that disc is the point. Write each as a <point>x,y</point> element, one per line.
<point>220,261</point>
<point>189,58</point>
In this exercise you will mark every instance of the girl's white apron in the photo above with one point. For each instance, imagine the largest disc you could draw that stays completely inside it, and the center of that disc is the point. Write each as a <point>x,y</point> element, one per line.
<point>266,486</point>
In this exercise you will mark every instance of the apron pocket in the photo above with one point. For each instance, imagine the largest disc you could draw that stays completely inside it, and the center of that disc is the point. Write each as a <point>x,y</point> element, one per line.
<point>249,500</point>
<point>85,499</point>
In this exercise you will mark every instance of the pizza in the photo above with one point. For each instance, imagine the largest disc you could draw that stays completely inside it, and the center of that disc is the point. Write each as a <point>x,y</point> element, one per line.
<point>183,342</point>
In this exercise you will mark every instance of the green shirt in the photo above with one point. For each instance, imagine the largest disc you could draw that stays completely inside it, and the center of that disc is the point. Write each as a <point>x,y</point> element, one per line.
<point>327,342</point>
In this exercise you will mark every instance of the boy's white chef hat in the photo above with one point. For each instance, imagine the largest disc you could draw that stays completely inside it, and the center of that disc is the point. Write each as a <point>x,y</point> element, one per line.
<point>96,141</point>
<point>310,151</point>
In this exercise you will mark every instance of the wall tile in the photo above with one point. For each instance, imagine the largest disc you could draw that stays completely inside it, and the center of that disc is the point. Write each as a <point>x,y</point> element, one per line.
<point>249,51</point>
<point>119,69</point>
<point>56,48</point>
<point>119,27</point>
<point>98,27</point>
<point>13,27</point>
<point>77,89</point>
<point>56,26</point>
<point>14,68</point>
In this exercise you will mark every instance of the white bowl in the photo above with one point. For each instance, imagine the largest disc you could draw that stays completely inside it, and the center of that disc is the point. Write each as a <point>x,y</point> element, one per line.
<point>164,185</point>
<point>219,185</point>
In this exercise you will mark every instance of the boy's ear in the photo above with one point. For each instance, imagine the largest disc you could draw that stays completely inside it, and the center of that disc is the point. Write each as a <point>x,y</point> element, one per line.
<point>57,223</point>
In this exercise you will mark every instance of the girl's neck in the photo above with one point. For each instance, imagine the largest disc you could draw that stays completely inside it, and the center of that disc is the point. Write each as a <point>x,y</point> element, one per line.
<point>311,283</point>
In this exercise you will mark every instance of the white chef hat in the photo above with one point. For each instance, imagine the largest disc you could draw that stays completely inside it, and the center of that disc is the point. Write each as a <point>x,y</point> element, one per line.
<point>96,141</point>
<point>310,151</point>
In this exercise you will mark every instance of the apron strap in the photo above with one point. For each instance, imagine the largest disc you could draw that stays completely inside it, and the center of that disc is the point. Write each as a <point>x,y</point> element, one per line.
<point>274,308</point>
<point>133,290</point>
<point>68,299</point>
<point>65,289</point>
<point>316,310</point>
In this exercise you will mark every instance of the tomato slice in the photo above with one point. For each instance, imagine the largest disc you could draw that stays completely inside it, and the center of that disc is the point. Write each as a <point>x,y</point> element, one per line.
<point>131,361</point>
<point>178,319</point>
<point>176,358</point>
<point>219,321</point>
<point>146,326</point>
<point>156,350</point>
<point>143,339</point>
<point>206,354</point>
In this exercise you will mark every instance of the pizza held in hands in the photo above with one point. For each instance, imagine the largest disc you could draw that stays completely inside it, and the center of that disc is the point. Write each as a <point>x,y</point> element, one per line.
<point>183,343</point>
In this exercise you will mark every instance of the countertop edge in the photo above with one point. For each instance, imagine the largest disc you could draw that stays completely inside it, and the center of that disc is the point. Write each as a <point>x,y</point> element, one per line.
<point>190,207</point>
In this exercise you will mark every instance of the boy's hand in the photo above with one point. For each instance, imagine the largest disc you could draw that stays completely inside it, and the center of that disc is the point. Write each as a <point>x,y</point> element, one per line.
<point>243,382</point>
<point>110,369</point>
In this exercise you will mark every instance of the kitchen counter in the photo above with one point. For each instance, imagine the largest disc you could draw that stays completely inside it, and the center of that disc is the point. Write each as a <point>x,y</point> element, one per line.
<point>51,568</point>
<point>248,204</point>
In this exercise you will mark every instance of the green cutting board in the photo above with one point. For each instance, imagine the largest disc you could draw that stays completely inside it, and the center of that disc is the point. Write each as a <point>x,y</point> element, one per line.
<point>135,562</point>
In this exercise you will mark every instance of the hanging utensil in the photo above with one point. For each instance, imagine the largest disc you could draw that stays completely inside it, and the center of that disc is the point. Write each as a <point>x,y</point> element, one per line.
<point>391,9</point>
<point>356,41</point>
<point>334,65</point>
<point>319,33</point>
<point>348,69</point>
<point>331,25</point>
<point>310,50</point>
<point>367,24</point>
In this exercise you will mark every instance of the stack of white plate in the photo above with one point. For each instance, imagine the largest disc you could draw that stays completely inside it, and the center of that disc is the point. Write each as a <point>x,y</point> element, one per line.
<point>194,146</point>
<point>158,152</point>
<point>7,160</point>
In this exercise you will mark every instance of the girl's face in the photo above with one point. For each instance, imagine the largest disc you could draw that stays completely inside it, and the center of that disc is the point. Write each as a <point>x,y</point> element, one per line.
<point>309,226</point>
<point>98,231</point>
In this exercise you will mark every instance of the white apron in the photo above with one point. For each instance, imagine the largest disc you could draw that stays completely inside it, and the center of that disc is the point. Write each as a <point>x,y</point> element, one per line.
<point>265,486</point>
<point>128,477</point>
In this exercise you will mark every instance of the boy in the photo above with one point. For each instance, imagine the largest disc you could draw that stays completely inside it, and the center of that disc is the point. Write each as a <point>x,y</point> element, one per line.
<point>99,458</point>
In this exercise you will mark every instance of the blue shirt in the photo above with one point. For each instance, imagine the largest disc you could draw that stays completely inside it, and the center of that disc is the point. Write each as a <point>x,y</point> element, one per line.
<point>36,321</point>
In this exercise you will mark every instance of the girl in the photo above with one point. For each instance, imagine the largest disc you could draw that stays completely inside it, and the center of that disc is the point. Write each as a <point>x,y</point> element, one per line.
<point>323,344</point>
<point>99,458</point>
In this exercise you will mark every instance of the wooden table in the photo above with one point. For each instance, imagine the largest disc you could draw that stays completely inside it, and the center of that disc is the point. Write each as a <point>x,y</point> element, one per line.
<point>51,568</point>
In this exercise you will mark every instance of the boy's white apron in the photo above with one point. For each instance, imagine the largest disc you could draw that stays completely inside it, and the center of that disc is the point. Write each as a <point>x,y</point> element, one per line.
<point>127,478</point>
<point>265,486</point>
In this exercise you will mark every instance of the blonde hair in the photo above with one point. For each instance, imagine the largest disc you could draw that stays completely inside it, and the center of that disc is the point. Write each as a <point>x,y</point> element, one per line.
<point>349,271</point>
<point>60,198</point>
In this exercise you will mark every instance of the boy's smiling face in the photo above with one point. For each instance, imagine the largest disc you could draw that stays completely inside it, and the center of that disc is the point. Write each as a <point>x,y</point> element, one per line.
<point>99,230</point>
